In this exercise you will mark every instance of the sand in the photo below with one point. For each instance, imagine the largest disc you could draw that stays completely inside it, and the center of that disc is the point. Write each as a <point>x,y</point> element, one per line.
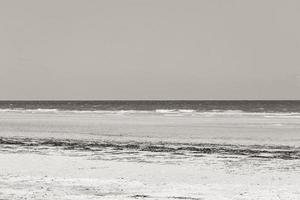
<point>54,173</point>
<point>37,176</point>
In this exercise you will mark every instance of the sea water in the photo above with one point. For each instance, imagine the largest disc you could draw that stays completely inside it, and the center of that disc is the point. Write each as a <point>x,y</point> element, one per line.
<point>251,128</point>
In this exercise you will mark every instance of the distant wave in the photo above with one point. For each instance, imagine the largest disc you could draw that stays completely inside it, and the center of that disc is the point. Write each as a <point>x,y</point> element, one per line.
<point>42,110</point>
<point>170,111</point>
<point>39,110</point>
<point>166,112</point>
<point>164,107</point>
<point>188,149</point>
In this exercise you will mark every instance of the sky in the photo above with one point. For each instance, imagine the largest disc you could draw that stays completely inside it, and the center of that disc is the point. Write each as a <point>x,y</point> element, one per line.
<point>149,49</point>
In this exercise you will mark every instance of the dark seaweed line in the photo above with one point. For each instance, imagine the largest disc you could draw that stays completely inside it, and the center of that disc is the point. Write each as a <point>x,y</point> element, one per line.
<point>256,151</point>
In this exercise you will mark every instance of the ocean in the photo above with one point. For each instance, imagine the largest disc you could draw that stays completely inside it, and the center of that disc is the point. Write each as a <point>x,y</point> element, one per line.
<point>197,106</point>
<point>204,144</point>
<point>196,126</point>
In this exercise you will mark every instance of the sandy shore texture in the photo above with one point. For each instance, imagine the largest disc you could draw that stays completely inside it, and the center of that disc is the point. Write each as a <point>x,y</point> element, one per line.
<point>237,157</point>
<point>57,176</point>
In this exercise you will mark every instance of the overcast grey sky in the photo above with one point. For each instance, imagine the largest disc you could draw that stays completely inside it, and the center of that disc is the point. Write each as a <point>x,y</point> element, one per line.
<point>149,49</point>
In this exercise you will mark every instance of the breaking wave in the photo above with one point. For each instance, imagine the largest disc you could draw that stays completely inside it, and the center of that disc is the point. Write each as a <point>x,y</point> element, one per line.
<point>165,112</point>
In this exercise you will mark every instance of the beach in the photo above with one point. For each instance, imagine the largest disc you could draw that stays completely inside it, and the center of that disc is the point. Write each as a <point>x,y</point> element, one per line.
<point>35,176</point>
<point>149,100</point>
<point>161,154</point>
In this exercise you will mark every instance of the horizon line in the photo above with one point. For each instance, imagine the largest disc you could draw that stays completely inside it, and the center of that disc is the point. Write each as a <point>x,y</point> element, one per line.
<point>16,100</point>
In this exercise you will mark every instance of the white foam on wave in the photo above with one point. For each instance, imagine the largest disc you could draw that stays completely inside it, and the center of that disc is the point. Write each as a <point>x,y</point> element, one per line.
<point>175,111</point>
<point>39,110</point>
<point>54,111</point>
<point>164,112</point>
<point>187,110</point>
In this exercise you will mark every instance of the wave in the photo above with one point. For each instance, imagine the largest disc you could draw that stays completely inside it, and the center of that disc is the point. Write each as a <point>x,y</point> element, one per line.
<point>170,111</point>
<point>39,110</point>
<point>188,149</point>
<point>166,112</point>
